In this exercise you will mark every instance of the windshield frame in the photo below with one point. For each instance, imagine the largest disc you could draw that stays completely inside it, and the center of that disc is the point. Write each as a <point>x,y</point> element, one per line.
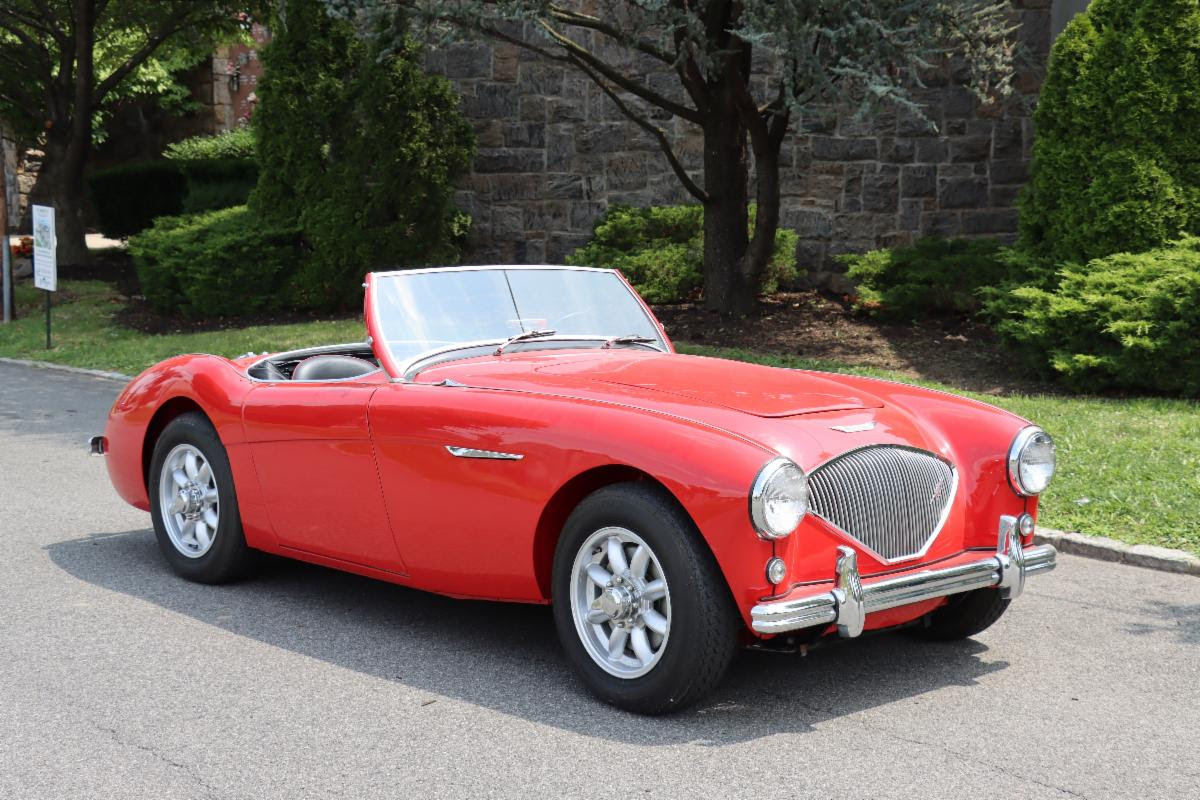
<point>404,370</point>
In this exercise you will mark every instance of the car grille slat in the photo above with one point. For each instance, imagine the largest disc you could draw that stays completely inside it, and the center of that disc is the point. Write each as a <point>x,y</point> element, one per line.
<point>893,499</point>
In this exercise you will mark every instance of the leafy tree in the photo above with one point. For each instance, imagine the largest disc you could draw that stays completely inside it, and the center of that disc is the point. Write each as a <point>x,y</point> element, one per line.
<point>816,52</point>
<point>357,148</point>
<point>1115,163</point>
<point>65,63</point>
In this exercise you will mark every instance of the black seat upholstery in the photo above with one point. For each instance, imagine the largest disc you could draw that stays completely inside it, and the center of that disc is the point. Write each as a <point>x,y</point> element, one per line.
<point>331,368</point>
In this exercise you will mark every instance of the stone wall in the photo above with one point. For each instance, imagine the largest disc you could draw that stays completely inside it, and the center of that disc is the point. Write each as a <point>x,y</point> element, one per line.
<point>555,152</point>
<point>20,171</point>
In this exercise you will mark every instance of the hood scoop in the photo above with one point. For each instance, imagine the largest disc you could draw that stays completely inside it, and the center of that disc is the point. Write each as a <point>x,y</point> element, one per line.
<point>748,388</point>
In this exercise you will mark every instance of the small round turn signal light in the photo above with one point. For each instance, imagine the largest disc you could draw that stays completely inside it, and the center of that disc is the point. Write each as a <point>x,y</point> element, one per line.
<point>1025,524</point>
<point>776,570</point>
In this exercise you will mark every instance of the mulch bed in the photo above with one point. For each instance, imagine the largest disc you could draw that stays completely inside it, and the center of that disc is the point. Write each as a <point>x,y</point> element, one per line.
<point>818,325</point>
<point>811,324</point>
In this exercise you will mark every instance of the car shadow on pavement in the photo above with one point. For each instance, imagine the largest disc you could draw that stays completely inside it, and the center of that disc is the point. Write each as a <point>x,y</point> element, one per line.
<point>506,656</point>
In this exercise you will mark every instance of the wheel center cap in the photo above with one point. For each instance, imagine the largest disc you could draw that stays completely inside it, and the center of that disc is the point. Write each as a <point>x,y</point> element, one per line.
<point>617,602</point>
<point>192,495</point>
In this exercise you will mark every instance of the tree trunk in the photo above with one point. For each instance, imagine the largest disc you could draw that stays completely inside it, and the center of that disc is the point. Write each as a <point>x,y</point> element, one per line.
<point>753,266</point>
<point>726,236</point>
<point>60,184</point>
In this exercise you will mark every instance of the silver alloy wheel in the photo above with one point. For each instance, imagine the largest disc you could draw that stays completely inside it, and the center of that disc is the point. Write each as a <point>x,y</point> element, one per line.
<point>620,602</point>
<point>188,500</point>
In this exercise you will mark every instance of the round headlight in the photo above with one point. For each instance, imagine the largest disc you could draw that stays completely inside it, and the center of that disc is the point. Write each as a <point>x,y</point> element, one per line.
<point>1031,461</point>
<point>778,499</point>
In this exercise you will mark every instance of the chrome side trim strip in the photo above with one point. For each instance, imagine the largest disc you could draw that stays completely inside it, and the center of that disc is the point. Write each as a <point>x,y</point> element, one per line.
<point>471,452</point>
<point>851,600</point>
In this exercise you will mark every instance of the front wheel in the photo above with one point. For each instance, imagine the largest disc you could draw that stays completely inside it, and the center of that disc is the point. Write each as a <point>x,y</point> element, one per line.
<point>193,503</point>
<point>640,605</point>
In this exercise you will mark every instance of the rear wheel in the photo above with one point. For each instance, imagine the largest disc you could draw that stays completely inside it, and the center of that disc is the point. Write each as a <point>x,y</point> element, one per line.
<point>964,615</point>
<point>641,608</point>
<point>193,503</point>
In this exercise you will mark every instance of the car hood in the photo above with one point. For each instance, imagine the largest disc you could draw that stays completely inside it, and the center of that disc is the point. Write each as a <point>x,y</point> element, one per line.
<point>655,379</point>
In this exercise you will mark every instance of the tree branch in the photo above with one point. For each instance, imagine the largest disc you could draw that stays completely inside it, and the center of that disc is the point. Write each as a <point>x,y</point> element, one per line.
<point>580,20</point>
<point>37,25</point>
<point>134,61</point>
<point>658,133</point>
<point>31,46</point>
<point>615,77</point>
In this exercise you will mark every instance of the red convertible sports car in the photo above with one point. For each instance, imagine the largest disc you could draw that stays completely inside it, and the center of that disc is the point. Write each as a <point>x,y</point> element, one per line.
<point>529,434</point>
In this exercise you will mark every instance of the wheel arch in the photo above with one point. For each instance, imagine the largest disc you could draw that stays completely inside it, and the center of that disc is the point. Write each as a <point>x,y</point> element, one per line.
<point>568,496</point>
<point>172,408</point>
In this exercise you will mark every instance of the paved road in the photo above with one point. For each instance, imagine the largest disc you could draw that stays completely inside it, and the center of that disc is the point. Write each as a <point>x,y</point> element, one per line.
<point>119,680</point>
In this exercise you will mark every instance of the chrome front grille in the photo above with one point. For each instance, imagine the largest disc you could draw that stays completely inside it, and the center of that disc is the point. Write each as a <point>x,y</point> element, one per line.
<point>892,499</point>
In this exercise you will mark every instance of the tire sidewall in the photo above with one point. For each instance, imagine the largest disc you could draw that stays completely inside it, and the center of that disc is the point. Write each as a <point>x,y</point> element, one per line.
<point>229,546</point>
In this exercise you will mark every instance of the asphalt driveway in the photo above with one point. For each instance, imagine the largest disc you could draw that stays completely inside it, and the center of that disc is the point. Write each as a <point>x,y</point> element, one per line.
<point>119,680</point>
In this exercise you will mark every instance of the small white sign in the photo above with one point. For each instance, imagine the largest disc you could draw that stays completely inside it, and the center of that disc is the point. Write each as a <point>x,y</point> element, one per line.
<point>45,264</point>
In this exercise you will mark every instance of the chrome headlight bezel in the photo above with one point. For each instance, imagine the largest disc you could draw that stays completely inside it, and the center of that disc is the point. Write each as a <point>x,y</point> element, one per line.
<point>1016,453</point>
<point>775,470</point>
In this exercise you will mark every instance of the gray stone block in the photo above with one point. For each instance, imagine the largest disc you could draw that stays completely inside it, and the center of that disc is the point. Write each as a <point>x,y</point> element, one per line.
<point>932,151</point>
<point>510,160</point>
<point>963,193</point>
<point>881,190</point>
<point>1009,171</point>
<point>918,181</point>
<point>828,148</point>
<point>808,223</point>
<point>468,60</point>
<point>969,148</point>
<point>564,186</point>
<point>940,223</point>
<point>991,220</point>
<point>492,101</point>
<point>524,134</point>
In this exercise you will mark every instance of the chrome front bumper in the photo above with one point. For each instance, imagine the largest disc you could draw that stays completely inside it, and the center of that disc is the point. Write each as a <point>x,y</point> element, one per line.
<point>849,602</point>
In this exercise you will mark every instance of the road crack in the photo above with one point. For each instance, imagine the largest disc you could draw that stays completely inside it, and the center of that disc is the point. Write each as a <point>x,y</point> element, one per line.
<point>968,759</point>
<point>187,769</point>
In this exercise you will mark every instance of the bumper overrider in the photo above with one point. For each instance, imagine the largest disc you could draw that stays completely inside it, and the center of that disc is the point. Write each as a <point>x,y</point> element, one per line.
<point>849,602</point>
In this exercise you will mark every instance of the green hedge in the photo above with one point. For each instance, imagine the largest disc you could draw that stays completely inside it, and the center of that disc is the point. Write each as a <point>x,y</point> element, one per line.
<point>219,264</point>
<point>221,170</point>
<point>661,251</point>
<point>232,145</point>
<point>930,277</point>
<point>129,197</point>
<point>1127,321</point>
<point>1115,165</point>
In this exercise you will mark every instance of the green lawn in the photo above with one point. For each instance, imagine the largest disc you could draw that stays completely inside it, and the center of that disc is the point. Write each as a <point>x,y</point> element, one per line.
<point>86,335</point>
<point>1128,469</point>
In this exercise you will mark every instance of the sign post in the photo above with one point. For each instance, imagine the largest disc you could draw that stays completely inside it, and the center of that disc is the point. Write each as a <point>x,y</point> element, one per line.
<point>6,299</point>
<point>45,265</point>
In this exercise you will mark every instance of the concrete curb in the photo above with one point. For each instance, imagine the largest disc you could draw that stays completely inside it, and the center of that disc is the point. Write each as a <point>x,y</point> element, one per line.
<point>1104,549</point>
<point>95,373</point>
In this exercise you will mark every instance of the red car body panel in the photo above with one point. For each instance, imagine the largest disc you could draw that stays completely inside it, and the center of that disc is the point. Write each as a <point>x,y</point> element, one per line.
<point>355,474</point>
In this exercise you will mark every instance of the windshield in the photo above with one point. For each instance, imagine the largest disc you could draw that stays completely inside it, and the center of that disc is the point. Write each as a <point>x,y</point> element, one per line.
<point>425,310</point>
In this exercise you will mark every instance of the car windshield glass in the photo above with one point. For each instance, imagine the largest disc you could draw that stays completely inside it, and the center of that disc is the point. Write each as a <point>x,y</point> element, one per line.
<point>421,311</point>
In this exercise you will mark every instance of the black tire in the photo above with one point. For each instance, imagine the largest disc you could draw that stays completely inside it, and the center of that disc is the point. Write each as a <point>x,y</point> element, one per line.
<point>704,622</point>
<point>963,616</point>
<point>227,558</point>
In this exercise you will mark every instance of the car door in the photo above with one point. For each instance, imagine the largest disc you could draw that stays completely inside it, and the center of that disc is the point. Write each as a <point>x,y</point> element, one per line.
<point>466,474</point>
<point>316,467</point>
